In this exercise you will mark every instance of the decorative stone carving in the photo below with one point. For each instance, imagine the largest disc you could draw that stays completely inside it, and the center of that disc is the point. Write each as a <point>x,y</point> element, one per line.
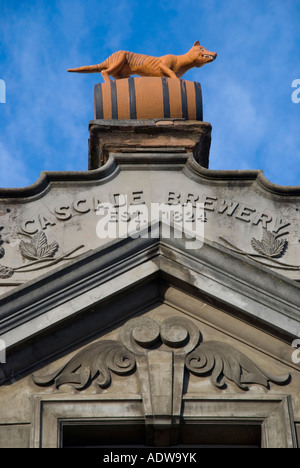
<point>141,337</point>
<point>269,249</point>
<point>222,360</point>
<point>6,272</point>
<point>38,247</point>
<point>39,251</point>
<point>269,246</point>
<point>160,354</point>
<point>2,251</point>
<point>97,360</point>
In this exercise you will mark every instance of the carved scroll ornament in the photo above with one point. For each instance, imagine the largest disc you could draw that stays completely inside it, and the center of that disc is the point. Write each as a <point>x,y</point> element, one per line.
<point>142,336</point>
<point>96,361</point>
<point>222,360</point>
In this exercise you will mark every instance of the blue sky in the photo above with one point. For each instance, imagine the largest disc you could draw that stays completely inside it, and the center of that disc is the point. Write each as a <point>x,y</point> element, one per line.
<point>247,91</point>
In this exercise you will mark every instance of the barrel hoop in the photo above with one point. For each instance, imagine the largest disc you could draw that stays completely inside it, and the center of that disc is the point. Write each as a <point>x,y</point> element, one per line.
<point>198,99</point>
<point>166,97</point>
<point>98,101</point>
<point>114,100</point>
<point>131,87</point>
<point>184,104</point>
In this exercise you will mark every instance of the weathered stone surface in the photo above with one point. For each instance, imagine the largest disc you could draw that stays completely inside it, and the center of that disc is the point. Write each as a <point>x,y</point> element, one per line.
<point>94,285</point>
<point>157,392</point>
<point>47,225</point>
<point>15,436</point>
<point>162,136</point>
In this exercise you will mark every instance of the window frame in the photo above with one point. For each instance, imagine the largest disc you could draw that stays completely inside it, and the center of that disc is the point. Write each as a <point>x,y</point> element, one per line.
<point>273,413</point>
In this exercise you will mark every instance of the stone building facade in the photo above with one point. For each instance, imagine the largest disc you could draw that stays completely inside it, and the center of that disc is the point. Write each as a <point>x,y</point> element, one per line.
<point>150,301</point>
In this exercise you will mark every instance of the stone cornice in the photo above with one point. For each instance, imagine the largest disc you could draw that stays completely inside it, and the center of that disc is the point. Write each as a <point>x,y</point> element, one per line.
<point>148,161</point>
<point>48,179</point>
<point>241,177</point>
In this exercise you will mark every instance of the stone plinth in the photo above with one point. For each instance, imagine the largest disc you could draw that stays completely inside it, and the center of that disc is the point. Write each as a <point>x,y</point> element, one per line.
<point>148,136</point>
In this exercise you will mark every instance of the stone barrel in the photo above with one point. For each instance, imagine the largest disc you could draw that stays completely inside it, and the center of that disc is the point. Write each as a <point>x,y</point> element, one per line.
<point>148,98</point>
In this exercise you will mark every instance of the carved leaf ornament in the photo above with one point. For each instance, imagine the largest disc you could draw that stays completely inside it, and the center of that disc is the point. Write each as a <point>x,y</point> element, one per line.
<point>38,248</point>
<point>99,360</point>
<point>41,254</point>
<point>269,246</point>
<point>268,251</point>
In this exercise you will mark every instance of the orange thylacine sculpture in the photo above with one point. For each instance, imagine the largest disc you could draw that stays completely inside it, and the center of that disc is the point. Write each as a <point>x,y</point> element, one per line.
<point>123,64</point>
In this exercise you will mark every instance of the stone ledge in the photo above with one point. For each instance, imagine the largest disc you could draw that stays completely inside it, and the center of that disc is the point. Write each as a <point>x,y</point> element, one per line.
<point>157,135</point>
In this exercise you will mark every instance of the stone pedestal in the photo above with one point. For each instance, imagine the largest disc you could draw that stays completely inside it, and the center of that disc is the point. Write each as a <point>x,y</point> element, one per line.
<point>148,136</point>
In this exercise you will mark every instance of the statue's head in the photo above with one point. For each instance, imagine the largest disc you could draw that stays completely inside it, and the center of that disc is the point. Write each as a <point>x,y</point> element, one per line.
<point>201,55</point>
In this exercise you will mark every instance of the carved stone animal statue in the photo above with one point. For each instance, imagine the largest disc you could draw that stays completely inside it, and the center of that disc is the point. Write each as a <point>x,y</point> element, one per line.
<point>123,64</point>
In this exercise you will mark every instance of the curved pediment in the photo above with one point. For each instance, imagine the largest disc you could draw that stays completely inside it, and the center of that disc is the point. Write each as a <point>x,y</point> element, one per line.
<point>236,213</point>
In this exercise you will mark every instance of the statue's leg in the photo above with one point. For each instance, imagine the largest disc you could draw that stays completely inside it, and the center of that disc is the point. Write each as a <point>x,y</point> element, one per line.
<point>167,71</point>
<point>115,67</point>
